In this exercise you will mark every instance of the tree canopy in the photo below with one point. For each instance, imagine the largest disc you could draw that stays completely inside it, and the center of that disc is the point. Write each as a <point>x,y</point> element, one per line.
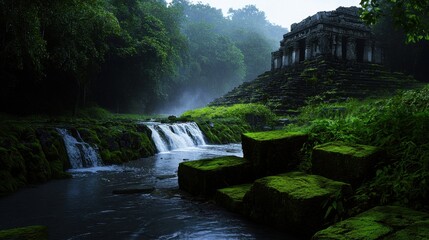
<point>133,55</point>
<point>410,15</point>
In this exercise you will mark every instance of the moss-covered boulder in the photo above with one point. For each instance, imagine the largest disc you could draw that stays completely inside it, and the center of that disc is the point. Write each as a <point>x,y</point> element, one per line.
<point>295,201</point>
<point>274,151</point>
<point>203,177</point>
<point>25,233</point>
<point>231,198</point>
<point>387,222</point>
<point>416,231</point>
<point>349,163</point>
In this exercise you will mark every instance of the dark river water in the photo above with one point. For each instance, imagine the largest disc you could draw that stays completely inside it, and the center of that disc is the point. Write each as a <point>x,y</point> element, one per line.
<point>85,208</point>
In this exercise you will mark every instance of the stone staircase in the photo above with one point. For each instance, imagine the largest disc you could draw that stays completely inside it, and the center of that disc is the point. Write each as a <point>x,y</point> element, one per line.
<point>332,80</point>
<point>266,187</point>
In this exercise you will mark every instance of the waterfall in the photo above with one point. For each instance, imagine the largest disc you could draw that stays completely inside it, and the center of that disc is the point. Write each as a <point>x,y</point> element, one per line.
<point>175,136</point>
<point>80,153</point>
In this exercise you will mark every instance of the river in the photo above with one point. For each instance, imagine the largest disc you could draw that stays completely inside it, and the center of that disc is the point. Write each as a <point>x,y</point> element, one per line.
<point>84,207</point>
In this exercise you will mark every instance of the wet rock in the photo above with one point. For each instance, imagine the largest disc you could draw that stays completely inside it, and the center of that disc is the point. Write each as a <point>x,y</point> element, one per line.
<point>203,177</point>
<point>349,163</point>
<point>27,233</point>
<point>295,201</point>
<point>274,151</point>
<point>387,222</point>
<point>231,198</point>
<point>135,190</point>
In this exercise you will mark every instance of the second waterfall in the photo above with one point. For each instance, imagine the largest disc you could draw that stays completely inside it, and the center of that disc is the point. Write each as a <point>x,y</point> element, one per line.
<point>174,136</point>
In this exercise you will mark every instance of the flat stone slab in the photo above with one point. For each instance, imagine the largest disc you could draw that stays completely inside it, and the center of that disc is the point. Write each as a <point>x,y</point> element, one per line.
<point>204,177</point>
<point>295,201</point>
<point>350,163</point>
<point>25,233</point>
<point>386,222</point>
<point>231,198</point>
<point>273,152</point>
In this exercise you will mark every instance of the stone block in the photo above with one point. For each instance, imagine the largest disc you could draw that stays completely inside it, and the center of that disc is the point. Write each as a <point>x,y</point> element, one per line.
<point>386,222</point>
<point>204,177</point>
<point>350,163</point>
<point>295,201</point>
<point>231,198</point>
<point>274,151</point>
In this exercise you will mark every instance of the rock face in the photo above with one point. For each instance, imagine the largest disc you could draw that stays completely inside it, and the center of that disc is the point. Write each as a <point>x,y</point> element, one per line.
<point>25,233</point>
<point>203,177</point>
<point>387,222</point>
<point>272,152</point>
<point>231,198</point>
<point>293,201</point>
<point>345,162</point>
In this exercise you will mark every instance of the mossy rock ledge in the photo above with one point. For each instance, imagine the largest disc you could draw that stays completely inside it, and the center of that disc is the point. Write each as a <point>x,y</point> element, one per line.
<point>350,163</point>
<point>25,233</point>
<point>385,222</point>
<point>203,177</point>
<point>294,201</point>
<point>231,198</point>
<point>273,152</point>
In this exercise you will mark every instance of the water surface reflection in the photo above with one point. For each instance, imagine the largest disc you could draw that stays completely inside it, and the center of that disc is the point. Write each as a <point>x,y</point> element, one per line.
<point>85,208</point>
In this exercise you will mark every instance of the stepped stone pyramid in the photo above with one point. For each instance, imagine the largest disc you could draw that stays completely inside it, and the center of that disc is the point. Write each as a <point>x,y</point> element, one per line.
<point>330,56</point>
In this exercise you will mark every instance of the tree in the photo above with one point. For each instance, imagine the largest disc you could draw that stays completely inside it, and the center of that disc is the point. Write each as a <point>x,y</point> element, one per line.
<point>410,15</point>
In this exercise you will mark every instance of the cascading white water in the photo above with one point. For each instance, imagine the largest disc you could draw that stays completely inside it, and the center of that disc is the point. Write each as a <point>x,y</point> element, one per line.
<point>80,153</point>
<point>174,136</point>
<point>157,139</point>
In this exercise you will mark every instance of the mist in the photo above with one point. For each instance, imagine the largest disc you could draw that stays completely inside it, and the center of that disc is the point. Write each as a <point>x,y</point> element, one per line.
<point>223,52</point>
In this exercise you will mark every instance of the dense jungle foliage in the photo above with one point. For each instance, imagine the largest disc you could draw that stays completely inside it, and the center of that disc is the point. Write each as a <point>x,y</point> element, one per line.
<point>125,55</point>
<point>399,125</point>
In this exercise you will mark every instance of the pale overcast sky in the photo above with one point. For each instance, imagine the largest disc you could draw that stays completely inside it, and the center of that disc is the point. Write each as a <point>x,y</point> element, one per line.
<point>282,12</point>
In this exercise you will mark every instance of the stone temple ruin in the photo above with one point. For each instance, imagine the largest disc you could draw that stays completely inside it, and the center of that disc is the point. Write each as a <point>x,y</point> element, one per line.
<point>328,57</point>
<point>338,34</point>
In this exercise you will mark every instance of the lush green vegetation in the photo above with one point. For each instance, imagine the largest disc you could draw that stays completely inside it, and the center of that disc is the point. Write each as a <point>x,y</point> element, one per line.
<point>399,125</point>
<point>126,56</point>
<point>32,151</point>
<point>410,15</point>
<point>225,124</point>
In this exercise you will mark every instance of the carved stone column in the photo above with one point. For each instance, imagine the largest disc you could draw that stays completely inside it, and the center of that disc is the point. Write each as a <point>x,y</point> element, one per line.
<point>351,49</point>
<point>324,44</point>
<point>295,53</point>
<point>308,48</point>
<point>280,58</point>
<point>285,57</point>
<point>367,51</point>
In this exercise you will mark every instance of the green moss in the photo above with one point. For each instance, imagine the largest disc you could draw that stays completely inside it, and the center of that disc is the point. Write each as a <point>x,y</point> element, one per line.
<point>215,164</point>
<point>378,223</point>
<point>300,185</point>
<point>355,150</point>
<point>354,229</point>
<point>203,177</point>
<point>272,135</point>
<point>231,198</point>
<point>25,233</point>
<point>236,192</point>
<point>417,231</point>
